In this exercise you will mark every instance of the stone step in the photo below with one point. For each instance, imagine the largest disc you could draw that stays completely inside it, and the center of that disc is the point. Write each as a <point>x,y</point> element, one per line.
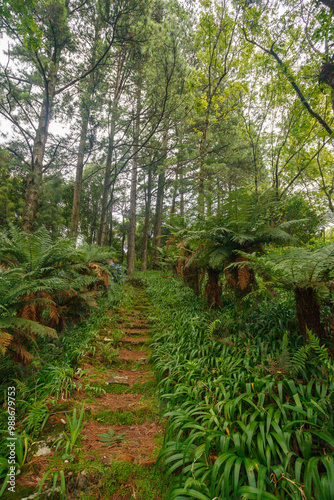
<point>135,331</point>
<point>140,326</point>
<point>128,356</point>
<point>135,340</point>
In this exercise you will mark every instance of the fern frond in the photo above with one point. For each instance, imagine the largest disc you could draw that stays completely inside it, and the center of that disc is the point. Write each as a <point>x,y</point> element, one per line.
<point>211,328</point>
<point>22,352</point>
<point>5,340</point>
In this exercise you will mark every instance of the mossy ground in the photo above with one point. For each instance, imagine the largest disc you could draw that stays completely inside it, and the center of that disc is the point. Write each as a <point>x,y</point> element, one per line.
<point>134,474</point>
<point>132,481</point>
<point>126,417</point>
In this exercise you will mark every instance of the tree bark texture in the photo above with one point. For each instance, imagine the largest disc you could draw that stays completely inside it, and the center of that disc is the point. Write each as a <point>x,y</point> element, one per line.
<point>172,208</point>
<point>131,256</point>
<point>158,208</point>
<point>213,290</point>
<point>181,192</point>
<point>308,312</point>
<point>106,186</point>
<point>34,181</point>
<point>107,175</point>
<point>78,175</point>
<point>147,221</point>
<point>193,276</point>
<point>241,280</point>
<point>86,104</point>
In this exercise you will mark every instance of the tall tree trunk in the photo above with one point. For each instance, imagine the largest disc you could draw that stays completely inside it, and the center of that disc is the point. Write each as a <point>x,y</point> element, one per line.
<point>213,291</point>
<point>172,208</point>
<point>147,221</point>
<point>159,207</point>
<point>202,155</point>
<point>111,136</point>
<point>35,177</point>
<point>131,257</point>
<point>192,276</point>
<point>106,184</point>
<point>78,175</point>
<point>122,251</point>
<point>111,216</point>
<point>181,193</point>
<point>308,312</point>
<point>86,103</point>
<point>209,196</point>
<point>179,171</point>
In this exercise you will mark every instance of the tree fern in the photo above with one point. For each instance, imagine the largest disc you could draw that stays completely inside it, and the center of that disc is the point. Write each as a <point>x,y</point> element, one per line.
<point>42,282</point>
<point>320,356</point>
<point>242,225</point>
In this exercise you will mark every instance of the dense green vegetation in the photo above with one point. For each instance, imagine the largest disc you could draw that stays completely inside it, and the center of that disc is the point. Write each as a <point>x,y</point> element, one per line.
<point>249,407</point>
<point>166,169</point>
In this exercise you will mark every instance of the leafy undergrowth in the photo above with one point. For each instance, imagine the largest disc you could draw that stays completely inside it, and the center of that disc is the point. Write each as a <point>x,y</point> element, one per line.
<point>52,375</point>
<point>89,427</point>
<point>239,427</point>
<point>126,417</point>
<point>126,481</point>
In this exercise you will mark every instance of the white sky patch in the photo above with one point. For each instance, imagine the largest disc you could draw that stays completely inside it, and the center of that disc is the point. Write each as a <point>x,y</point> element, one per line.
<point>56,127</point>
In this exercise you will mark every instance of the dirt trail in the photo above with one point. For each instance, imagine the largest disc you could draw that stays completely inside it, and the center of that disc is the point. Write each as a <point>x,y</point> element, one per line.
<point>116,385</point>
<point>129,407</point>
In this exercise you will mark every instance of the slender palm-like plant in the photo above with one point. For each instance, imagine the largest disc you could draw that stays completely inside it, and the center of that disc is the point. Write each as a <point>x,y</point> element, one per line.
<point>21,296</point>
<point>41,280</point>
<point>241,225</point>
<point>309,274</point>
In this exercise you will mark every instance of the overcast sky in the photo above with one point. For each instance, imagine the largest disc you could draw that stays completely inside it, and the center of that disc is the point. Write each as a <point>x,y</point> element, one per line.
<point>57,128</point>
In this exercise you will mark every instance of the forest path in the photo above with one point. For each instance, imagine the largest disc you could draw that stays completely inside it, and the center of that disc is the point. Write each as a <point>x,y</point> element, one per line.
<point>129,405</point>
<point>117,389</point>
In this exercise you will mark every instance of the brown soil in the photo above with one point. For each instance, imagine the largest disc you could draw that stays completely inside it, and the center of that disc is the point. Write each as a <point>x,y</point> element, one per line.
<point>135,331</point>
<point>139,440</point>
<point>135,340</point>
<point>133,321</point>
<point>136,355</point>
<point>114,402</point>
<point>142,375</point>
<point>139,445</point>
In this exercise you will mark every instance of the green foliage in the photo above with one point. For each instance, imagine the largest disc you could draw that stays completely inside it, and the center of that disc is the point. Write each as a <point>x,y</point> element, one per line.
<point>108,354</point>
<point>242,223</point>
<point>147,483</point>
<point>126,417</point>
<point>94,389</point>
<point>239,427</point>
<point>75,427</point>
<point>296,208</point>
<point>110,439</point>
<point>148,388</point>
<point>55,475</point>
<point>37,416</point>
<point>42,284</point>
<point>21,451</point>
<point>320,354</point>
<point>299,267</point>
<point>37,382</point>
<point>19,17</point>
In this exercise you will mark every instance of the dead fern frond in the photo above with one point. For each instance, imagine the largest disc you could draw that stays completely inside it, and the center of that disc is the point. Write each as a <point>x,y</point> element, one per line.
<point>105,277</point>
<point>96,267</point>
<point>5,341</point>
<point>231,282</point>
<point>29,311</point>
<point>100,272</point>
<point>243,277</point>
<point>170,241</point>
<point>22,352</point>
